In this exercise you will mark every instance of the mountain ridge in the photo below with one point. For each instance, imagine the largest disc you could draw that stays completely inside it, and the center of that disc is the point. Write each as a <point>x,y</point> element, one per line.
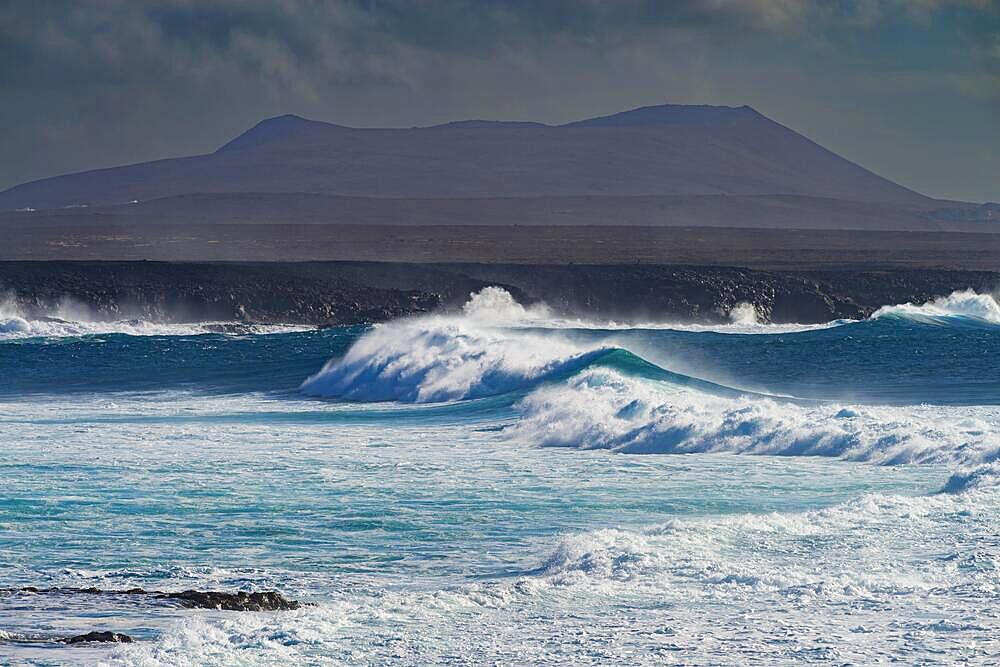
<point>662,150</point>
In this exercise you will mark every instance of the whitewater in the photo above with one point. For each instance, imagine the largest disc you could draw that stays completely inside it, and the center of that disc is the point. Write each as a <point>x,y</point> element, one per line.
<point>507,485</point>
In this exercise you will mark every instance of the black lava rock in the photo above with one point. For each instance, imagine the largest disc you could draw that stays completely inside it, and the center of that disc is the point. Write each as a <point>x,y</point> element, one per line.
<point>107,637</point>
<point>241,601</point>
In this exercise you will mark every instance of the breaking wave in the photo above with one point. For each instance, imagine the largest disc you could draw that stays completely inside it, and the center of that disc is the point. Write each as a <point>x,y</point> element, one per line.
<point>440,358</point>
<point>979,477</point>
<point>71,322</point>
<point>604,409</point>
<point>591,395</point>
<point>965,304</point>
<point>16,328</point>
<point>744,313</point>
<point>737,555</point>
<point>436,359</point>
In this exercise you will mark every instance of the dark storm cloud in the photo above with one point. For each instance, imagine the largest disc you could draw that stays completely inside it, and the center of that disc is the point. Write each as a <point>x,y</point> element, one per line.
<point>909,88</point>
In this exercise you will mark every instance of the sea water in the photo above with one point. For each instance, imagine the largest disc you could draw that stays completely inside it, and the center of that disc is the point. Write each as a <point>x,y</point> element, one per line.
<point>506,486</point>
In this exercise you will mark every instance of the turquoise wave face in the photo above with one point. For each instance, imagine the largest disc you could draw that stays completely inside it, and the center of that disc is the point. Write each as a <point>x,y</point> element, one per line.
<point>894,361</point>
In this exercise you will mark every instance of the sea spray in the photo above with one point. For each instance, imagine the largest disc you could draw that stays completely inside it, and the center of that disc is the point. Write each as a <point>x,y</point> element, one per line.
<point>962,304</point>
<point>496,345</point>
<point>744,313</point>
<point>588,394</point>
<point>495,305</point>
<point>70,319</point>
<point>969,479</point>
<point>604,409</point>
<point>442,359</point>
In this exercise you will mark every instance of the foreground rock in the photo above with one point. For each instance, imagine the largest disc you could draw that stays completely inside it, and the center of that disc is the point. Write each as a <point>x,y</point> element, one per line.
<point>192,599</point>
<point>263,601</point>
<point>108,637</point>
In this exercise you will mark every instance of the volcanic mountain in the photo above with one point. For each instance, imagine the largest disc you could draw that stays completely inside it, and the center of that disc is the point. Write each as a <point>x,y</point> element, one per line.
<point>670,164</point>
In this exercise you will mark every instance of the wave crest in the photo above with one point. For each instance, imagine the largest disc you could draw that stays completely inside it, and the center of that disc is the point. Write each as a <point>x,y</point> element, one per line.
<point>440,359</point>
<point>495,305</point>
<point>69,320</point>
<point>737,555</point>
<point>966,304</point>
<point>603,409</point>
<point>980,477</point>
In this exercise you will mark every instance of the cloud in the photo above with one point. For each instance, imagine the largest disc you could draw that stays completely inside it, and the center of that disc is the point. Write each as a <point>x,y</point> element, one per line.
<point>110,81</point>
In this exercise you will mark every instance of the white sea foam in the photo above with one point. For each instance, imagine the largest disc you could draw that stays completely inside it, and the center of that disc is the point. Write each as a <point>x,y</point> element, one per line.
<point>744,313</point>
<point>443,358</point>
<point>496,306</point>
<point>856,577</point>
<point>734,327</point>
<point>452,358</point>
<point>473,572</point>
<point>966,303</point>
<point>780,553</point>
<point>71,320</point>
<point>18,328</point>
<point>739,326</point>
<point>440,359</point>
<point>603,409</point>
<point>487,350</point>
<point>978,477</point>
<point>745,319</point>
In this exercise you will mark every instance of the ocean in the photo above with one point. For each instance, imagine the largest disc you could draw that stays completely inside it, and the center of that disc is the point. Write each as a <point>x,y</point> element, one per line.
<point>506,485</point>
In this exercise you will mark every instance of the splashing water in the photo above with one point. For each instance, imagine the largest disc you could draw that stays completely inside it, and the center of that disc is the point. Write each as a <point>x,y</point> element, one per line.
<point>964,304</point>
<point>69,320</point>
<point>744,313</point>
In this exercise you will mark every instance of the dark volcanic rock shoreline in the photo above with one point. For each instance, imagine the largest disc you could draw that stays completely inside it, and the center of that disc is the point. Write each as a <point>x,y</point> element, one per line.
<point>333,293</point>
<point>240,601</point>
<point>191,599</point>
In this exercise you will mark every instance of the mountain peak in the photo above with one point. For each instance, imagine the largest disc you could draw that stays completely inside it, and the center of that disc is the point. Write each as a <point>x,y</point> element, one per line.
<point>285,118</point>
<point>281,128</point>
<point>476,124</point>
<point>670,114</point>
<point>272,129</point>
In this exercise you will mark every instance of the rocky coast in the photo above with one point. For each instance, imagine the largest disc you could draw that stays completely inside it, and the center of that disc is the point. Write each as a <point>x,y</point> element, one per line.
<point>339,293</point>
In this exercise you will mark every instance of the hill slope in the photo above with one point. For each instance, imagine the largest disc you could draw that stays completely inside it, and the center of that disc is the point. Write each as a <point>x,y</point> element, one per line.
<point>665,150</point>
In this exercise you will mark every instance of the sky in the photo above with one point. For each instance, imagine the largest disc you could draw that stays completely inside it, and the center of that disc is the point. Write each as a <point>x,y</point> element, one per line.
<point>907,88</point>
